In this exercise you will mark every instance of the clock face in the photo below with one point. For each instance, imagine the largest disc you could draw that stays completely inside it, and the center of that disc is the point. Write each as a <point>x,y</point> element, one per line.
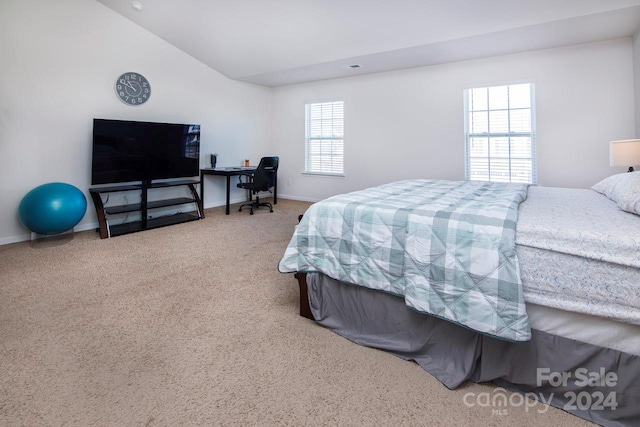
<point>133,88</point>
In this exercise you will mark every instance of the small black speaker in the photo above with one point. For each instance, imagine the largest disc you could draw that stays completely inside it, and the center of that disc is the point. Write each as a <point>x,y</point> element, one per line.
<point>214,159</point>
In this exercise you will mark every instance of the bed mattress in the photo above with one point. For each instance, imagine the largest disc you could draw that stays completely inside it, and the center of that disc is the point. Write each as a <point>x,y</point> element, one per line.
<point>595,330</point>
<point>579,252</point>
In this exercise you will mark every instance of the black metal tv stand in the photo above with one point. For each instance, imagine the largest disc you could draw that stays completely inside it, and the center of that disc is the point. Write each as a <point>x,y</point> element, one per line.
<point>146,221</point>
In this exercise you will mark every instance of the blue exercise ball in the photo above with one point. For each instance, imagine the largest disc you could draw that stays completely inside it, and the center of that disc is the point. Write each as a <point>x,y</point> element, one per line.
<point>52,208</point>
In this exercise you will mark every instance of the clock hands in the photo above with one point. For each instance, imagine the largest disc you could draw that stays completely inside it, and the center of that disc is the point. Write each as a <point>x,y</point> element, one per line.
<point>127,83</point>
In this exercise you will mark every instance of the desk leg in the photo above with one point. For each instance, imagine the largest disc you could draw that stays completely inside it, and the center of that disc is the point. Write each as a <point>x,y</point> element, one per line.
<point>228,191</point>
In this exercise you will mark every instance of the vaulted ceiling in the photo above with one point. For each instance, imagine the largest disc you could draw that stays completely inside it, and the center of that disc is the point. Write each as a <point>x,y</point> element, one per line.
<point>281,42</point>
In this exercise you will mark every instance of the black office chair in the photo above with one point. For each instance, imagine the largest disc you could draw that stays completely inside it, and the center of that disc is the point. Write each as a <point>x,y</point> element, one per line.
<point>262,179</point>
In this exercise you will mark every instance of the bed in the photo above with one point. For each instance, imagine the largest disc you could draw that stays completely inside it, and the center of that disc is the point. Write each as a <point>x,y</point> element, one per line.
<point>561,325</point>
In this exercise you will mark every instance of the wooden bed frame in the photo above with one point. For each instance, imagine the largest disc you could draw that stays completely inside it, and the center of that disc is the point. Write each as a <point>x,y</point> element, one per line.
<point>305,310</point>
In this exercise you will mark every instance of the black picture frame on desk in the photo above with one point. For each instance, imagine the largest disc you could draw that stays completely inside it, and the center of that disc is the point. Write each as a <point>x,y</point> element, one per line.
<point>229,172</point>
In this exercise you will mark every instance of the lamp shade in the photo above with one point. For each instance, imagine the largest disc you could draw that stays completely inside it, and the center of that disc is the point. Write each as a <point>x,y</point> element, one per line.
<point>625,152</point>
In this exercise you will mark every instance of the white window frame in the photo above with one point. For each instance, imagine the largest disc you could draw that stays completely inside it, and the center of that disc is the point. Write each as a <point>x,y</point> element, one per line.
<point>324,151</point>
<point>509,134</point>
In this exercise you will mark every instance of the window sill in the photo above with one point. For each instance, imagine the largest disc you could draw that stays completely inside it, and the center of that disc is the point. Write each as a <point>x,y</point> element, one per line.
<point>324,174</point>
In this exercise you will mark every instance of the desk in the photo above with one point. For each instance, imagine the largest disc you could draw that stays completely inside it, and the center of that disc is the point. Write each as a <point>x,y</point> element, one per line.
<point>229,172</point>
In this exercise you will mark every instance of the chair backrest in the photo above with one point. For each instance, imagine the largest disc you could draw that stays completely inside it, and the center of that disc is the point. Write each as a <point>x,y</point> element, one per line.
<point>265,175</point>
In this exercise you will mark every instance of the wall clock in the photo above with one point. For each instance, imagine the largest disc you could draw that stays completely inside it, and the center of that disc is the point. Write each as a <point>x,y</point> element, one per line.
<point>133,88</point>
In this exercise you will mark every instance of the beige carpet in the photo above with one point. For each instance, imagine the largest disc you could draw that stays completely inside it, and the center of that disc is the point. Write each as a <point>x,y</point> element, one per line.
<point>193,325</point>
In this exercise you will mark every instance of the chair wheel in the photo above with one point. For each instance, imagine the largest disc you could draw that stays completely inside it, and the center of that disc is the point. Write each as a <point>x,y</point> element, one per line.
<point>271,210</point>
<point>251,212</point>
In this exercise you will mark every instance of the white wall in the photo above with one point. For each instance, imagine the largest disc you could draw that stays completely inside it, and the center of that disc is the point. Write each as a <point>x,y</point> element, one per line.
<point>636,73</point>
<point>58,64</point>
<point>409,124</point>
<point>59,61</point>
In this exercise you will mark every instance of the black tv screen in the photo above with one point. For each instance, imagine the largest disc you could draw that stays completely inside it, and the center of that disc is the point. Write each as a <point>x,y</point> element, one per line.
<point>125,151</point>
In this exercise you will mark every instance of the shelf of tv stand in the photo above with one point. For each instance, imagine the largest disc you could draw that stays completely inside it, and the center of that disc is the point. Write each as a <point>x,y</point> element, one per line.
<point>146,222</point>
<point>132,187</point>
<point>161,221</point>
<point>114,210</point>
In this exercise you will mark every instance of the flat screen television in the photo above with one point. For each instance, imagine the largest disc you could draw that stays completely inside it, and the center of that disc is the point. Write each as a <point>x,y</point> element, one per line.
<point>126,151</point>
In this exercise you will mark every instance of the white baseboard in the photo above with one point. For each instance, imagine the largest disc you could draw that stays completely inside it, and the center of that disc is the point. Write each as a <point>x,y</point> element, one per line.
<point>28,236</point>
<point>94,225</point>
<point>15,239</point>
<point>219,203</point>
<point>300,199</point>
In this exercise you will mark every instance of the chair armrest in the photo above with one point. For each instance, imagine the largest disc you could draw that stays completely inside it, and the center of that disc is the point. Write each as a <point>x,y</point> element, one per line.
<point>248,178</point>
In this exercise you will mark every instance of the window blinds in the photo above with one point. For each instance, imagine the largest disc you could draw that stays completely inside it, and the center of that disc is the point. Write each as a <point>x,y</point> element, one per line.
<point>325,137</point>
<point>500,134</point>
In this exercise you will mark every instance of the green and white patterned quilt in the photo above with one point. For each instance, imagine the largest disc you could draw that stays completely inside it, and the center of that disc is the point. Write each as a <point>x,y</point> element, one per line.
<point>447,247</point>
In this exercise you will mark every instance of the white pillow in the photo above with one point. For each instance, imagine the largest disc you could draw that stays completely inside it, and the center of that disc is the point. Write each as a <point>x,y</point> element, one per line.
<point>623,189</point>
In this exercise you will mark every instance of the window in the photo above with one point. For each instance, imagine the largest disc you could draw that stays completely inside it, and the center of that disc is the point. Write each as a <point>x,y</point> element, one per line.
<point>500,134</point>
<point>324,124</point>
